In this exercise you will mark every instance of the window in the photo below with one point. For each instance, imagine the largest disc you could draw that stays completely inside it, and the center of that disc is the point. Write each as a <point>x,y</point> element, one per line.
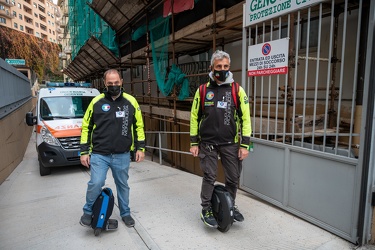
<point>19,6</point>
<point>3,20</point>
<point>20,16</point>
<point>21,27</point>
<point>2,7</point>
<point>37,25</point>
<point>49,31</point>
<point>34,4</point>
<point>37,34</point>
<point>14,13</point>
<point>62,107</point>
<point>15,25</point>
<point>35,14</point>
<point>53,32</point>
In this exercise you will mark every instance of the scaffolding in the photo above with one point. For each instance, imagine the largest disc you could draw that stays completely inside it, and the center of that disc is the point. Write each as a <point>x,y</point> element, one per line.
<point>85,23</point>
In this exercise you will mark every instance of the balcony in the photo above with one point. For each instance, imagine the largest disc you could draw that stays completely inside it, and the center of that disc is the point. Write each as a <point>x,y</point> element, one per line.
<point>57,12</point>
<point>68,50</point>
<point>62,55</point>
<point>58,30</point>
<point>7,3</point>
<point>6,14</point>
<point>43,27</point>
<point>41,8</point>
<point>27,1</point>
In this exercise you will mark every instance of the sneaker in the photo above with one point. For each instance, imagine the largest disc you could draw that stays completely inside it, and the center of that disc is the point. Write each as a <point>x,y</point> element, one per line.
<point>85,220</point>
<point>208,218</point>
<point>237,216</point>
<point>129,221</point>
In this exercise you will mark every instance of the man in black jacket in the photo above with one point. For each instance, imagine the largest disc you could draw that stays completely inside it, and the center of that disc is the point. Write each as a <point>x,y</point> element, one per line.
<point>111,128</point>
<point>214,129</point>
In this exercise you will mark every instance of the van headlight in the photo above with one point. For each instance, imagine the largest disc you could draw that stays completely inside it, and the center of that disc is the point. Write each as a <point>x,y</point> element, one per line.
<point>48,137</point>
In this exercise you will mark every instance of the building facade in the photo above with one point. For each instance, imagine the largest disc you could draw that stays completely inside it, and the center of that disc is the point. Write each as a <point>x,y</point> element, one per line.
<point>63,36</point>
<point>40,18</point>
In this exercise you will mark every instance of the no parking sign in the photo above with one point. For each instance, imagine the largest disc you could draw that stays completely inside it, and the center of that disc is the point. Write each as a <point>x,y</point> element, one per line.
<point>270,58</point>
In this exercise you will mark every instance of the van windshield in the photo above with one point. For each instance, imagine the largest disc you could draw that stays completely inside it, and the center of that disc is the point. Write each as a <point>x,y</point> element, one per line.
<point>64,107</point>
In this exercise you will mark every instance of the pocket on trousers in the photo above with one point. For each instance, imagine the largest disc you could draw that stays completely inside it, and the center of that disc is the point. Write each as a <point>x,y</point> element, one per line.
<point>201,156</point>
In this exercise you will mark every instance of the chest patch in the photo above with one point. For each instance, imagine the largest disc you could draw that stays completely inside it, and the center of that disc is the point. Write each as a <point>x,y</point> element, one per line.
<point>210,95</point>
<point>106,107</point>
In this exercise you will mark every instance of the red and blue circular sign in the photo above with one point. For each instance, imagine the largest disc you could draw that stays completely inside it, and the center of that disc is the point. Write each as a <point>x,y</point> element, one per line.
<point>266,49</point>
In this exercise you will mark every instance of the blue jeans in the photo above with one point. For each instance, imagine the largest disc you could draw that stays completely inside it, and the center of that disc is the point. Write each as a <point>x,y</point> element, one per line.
<point>119,164</point>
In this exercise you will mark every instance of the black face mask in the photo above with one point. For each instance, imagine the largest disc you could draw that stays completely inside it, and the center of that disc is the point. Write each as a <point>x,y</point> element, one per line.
<point>114,90</point>
<point>221,75</point>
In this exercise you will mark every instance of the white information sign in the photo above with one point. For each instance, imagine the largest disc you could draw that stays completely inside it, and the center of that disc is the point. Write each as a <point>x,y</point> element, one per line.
<point>270,58</point>
<point>259,10</point>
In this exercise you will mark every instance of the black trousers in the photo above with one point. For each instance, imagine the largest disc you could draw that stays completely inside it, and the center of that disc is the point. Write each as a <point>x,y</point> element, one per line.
<point>232,166</point>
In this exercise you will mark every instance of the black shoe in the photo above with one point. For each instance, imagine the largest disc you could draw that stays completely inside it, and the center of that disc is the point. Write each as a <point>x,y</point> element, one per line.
<point>129,221</point>
<point>85,220</point>
<point>237,216</point>
<point>208,218</point>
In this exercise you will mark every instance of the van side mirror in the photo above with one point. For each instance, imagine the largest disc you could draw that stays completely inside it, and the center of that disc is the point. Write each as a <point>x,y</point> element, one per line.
<point>30,119</point>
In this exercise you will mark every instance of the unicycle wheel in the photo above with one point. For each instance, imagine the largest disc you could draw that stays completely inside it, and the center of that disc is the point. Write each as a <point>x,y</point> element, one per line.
<point>97,231</point>
<point>225,229</point>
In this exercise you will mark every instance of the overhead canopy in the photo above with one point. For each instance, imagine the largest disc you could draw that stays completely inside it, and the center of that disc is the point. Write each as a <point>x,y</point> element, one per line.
<point>117,13</point>
<point>92,59</point>
<point>196,30</point>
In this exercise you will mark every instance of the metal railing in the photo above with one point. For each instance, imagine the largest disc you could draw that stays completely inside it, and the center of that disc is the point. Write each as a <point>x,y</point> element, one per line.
<point>160,148</point>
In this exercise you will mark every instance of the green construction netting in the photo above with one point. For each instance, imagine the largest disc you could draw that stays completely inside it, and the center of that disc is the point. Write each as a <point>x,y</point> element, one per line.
<point>85,23</point>
<point>159,34</point>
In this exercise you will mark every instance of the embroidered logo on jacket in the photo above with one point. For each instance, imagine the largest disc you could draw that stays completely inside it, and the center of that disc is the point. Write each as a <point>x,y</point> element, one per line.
<point>106,107</point>
<point>210,95</point>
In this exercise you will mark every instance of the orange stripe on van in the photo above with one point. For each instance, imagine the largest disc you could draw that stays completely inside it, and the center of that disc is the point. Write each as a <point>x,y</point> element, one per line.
<point>65,131</point>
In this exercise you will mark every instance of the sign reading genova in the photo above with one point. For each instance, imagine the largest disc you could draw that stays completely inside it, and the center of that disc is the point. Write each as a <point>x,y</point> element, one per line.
<point>259,10</point>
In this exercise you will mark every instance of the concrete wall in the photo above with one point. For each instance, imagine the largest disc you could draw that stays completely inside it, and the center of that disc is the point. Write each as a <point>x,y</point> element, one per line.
<point>14,138</point>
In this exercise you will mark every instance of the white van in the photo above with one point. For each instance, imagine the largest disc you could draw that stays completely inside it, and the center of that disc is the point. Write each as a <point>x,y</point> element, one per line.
<point>58,120</point>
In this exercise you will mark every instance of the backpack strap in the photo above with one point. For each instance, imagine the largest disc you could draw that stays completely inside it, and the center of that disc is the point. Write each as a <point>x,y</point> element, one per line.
<point>202,92</point>
<point>235,90</point>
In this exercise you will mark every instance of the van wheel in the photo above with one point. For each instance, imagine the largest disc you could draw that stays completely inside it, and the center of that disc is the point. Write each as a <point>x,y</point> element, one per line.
<point>43,170</point>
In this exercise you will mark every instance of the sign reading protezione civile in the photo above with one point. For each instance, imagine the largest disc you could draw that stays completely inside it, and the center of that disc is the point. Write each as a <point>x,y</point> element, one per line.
<point>270,58</point>
<point>260,10</point>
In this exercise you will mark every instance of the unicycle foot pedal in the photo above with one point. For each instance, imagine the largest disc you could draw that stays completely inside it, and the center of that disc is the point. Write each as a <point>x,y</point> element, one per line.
<point>112,224</point>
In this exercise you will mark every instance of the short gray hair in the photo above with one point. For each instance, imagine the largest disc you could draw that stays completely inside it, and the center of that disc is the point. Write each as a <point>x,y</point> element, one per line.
<point>219,55</point>
<point>111,71</point>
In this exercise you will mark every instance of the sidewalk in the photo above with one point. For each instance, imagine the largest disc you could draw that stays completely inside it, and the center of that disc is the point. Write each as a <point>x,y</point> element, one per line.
<point>43,213</point>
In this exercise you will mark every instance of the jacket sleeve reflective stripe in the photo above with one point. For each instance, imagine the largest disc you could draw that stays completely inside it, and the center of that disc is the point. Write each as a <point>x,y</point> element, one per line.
<point>245,118</point>
<point>88,127</point>
<point>194,119</point>
<point>138,126</point>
